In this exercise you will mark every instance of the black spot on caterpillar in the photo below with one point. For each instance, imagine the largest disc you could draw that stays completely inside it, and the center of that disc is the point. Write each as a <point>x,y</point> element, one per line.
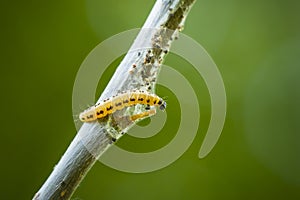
<point>120,101</point>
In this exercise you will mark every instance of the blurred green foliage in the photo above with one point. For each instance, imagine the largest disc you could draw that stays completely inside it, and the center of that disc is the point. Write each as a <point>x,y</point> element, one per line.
<point>256,46</point>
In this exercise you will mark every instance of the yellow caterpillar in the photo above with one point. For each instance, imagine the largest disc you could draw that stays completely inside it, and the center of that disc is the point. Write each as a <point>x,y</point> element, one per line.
<point>119,102</point>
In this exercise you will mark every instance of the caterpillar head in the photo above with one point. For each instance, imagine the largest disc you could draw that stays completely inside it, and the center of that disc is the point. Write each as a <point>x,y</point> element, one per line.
<point>163,105</point>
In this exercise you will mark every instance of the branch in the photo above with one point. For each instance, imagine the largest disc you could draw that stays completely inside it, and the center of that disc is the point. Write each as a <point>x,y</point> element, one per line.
<point>160,29</point>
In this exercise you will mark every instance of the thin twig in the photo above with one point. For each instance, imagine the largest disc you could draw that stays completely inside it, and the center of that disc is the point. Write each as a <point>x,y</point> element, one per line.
<point>166,18</point>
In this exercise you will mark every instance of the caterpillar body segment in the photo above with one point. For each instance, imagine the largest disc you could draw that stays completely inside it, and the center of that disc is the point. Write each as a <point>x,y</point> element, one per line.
<point>121,101</point>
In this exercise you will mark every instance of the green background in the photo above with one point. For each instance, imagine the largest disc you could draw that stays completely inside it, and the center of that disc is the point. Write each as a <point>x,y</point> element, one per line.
<point>256,46</point>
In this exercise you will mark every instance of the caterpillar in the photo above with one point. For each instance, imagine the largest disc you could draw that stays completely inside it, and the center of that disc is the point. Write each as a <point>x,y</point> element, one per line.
<point>143,114</point>
<point>120,101</point>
